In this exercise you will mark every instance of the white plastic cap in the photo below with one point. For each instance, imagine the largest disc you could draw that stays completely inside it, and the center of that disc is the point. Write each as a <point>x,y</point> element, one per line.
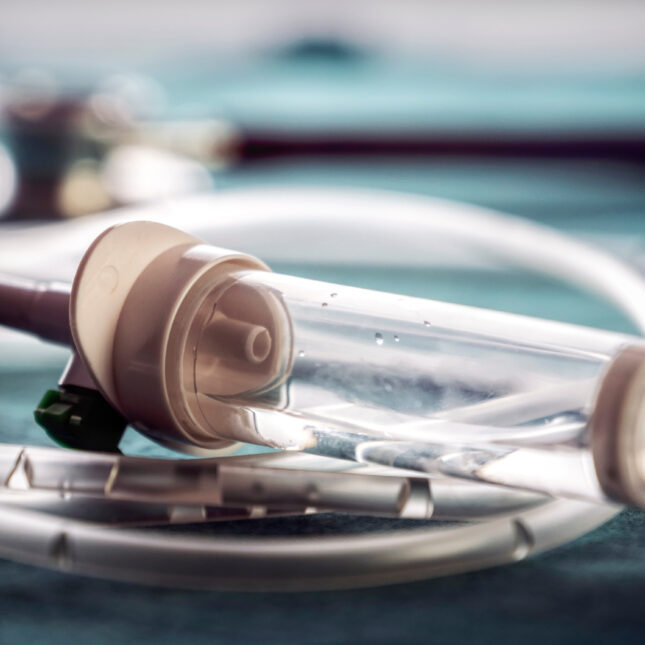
<point>134,298</point>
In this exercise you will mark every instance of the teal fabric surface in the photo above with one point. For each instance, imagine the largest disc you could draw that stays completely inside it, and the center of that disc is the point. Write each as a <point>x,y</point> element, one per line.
<point>586,592</point>
<point>348,89</point>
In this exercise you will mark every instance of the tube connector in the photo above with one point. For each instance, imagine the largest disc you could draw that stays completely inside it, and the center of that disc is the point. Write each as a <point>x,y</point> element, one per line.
<point>136,294</point>
<point>618,429</point>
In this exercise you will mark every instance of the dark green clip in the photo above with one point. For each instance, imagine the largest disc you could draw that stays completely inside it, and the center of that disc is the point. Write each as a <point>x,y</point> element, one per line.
<point>80,418</point>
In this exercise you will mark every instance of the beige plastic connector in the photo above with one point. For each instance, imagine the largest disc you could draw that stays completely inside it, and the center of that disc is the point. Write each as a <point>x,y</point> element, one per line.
<point>147,321</point>
<point>618,429</point>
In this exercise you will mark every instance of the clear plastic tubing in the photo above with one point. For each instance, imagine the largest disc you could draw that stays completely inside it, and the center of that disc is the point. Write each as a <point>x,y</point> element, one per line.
<point>266,220</point>
<point>209,346</point>
<point>404,382</point>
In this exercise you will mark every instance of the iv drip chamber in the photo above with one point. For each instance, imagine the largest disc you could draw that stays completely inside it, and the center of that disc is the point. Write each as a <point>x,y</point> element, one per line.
<point>200,347</point>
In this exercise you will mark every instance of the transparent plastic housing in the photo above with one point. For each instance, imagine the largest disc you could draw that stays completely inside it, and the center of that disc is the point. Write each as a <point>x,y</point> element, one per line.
<point>398,381</point>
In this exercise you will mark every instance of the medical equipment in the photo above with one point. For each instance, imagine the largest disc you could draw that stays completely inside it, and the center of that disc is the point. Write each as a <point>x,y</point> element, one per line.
<point>228,351</point>
<point>526,533</point>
